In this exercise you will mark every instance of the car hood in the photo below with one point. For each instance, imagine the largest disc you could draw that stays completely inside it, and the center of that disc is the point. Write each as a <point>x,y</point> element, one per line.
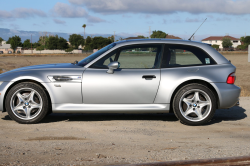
<point>45,66</point>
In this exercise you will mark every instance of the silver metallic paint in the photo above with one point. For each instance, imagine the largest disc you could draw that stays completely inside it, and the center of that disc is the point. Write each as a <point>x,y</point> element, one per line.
<point>69,98</point>
<point>110,108</point>
<point>124,86</point>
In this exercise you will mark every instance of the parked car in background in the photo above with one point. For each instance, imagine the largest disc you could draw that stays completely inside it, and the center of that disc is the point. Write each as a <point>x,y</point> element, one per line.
<point>1,52</point>
<point>9,52</point>
<point>190,79</point>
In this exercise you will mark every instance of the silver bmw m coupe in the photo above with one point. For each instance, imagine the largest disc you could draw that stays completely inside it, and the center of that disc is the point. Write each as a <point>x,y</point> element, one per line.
<point>190,79</point>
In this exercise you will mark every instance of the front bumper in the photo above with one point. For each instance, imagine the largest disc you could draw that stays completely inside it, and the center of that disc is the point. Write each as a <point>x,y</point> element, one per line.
<point>228,94</point>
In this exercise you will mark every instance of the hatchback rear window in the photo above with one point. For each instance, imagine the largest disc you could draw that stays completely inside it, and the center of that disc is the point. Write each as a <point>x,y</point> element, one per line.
<point>183,55</point>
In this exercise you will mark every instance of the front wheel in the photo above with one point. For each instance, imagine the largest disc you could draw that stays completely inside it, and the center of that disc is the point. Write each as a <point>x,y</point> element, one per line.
<point>194,104</point>
<point>27,103</point>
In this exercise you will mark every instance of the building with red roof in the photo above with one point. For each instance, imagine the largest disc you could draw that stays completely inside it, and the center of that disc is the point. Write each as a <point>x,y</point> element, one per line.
<point>217,40</point>
<point>172,37</point>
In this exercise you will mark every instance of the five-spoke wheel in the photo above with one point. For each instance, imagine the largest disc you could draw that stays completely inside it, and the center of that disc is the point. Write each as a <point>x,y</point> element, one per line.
<point>194,104</point>
<point>27,103</point>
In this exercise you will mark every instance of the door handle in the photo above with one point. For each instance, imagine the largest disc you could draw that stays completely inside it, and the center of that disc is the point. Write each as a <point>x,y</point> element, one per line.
<point>148,76</point>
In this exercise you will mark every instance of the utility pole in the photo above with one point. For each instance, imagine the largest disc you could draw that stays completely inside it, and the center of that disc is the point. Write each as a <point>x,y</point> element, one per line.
<point>114,36</point>
<point>31,45</point>
<point>149,32</point>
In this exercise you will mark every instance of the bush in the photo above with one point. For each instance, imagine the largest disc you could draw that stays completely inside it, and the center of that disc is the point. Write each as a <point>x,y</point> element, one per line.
<point>241,47</point>
<point>69,49</point>
<point>40,48</point>
<point>215,46</point>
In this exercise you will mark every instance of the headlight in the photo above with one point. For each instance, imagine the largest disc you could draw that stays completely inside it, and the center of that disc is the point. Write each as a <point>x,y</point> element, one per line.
<point>1,82</point>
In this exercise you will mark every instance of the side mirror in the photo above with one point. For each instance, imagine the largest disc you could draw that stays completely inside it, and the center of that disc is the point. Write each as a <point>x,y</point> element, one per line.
<point>112,66</point>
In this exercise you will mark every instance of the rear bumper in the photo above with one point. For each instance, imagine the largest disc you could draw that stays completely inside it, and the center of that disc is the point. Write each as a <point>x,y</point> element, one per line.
<point>228,94</point>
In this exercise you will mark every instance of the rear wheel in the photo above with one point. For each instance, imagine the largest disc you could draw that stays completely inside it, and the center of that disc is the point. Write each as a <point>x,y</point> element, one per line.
<point>27,103</point>
<point>194,104</point>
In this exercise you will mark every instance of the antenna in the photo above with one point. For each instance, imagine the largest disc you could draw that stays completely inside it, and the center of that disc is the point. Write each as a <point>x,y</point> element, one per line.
<point>197,30</point>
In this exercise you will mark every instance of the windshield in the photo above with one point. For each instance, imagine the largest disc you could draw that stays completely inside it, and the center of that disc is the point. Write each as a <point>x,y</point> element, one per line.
<point>85,61</point>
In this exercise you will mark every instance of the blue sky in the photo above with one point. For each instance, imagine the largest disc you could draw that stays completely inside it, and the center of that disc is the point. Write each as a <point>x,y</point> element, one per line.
<point>128,17</point>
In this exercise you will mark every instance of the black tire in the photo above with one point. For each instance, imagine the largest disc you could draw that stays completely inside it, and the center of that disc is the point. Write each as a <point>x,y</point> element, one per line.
<point>193,110</point>
<point>27,103</point>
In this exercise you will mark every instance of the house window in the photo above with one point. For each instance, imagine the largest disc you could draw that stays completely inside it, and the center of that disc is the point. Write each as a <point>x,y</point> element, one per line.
<point>235,41</point>
<point>215,41</point>
<point>210,41</point>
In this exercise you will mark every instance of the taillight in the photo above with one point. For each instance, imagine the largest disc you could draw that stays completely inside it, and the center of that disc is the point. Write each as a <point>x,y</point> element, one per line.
<point>231,78</point>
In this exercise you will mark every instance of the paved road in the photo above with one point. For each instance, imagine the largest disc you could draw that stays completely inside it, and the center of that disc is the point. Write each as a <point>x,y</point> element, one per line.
<point>105,139</point>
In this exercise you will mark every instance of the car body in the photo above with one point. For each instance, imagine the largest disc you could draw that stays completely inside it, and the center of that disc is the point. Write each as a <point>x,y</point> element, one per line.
<point>188,78</point>
<point>9,52</point>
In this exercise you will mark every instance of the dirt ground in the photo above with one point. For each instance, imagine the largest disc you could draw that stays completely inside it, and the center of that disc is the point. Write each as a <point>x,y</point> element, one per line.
<point>113,139</point>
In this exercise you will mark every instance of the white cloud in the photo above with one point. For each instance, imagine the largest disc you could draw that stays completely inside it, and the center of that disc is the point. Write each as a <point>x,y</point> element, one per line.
<point>166,6</point>
<point>93,19</point>
<point>28,12</point>
<point>5,14</point>
<point>194,20</point>
<point>21,13</point>
<point>69,11</point>
<point>57,21</point>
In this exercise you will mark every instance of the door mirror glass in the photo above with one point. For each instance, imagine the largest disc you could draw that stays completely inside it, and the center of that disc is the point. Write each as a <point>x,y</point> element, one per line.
<point>112,66</point>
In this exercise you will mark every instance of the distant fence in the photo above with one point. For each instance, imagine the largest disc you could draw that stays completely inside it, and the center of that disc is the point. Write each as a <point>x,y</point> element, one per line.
<point>248,53</point>
<point>87,51</point>
<point>54,52</point>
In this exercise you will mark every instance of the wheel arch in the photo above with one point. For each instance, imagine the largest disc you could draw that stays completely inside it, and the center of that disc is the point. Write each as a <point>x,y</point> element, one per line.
<point>202,82</point>
<point>27,80</point>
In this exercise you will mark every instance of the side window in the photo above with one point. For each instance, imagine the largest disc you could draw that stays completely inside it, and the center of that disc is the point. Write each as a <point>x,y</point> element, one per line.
<point>140,57</point>
<point>182,55</point>
<point>103,62</point>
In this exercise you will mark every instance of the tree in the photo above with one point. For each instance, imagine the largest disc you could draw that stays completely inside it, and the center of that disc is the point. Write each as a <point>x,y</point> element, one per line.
<point>226,42</point>
<point>84,26</point>
<point>245,42</point>
<point>35,45</point>
<point>44,40</point>
<point>87,43</point>
<point>27,44</point>
<point>111,38</point>
<point>143,37</point>
<point>14,41</point>
<point>99,42</point>
<point>158,34</point>
<point>62,44</point>
<point>76,40</point>
<point>53,42</point>
<point>1,39</point>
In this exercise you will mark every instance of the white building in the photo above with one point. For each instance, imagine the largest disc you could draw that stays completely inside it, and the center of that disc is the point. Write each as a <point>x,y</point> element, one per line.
<point>5,48</point>
<point>218,40</point>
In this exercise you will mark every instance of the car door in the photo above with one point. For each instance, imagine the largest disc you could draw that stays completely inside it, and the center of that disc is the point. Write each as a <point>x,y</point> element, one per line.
<point>136,81</point>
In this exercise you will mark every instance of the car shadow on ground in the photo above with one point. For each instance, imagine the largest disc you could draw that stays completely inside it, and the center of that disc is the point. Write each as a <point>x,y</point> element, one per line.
<point>233,114</point>
<point>57,117</point>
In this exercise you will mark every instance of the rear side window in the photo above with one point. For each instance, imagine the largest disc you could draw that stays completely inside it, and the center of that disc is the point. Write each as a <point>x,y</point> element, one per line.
<point>182,55</point>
